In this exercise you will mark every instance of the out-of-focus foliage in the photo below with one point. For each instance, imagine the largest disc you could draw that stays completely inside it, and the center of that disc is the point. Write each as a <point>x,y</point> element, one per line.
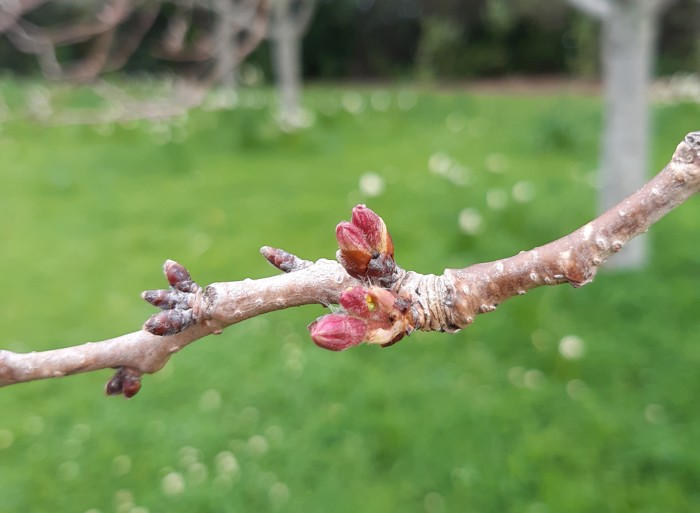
<point>446,39</point>
<point>563,400</point>
<point>476,38</point>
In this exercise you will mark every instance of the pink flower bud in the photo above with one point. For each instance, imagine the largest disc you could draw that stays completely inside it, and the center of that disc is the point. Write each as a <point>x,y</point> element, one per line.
<point>374,229</point>
<point>354,253</point>
<point>357,301</point>
<point>385,300</point>
<point>337,331</point>
<point>366,248</point>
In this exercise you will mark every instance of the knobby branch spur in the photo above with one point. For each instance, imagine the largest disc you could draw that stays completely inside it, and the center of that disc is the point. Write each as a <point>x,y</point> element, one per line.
<point>380,302</point>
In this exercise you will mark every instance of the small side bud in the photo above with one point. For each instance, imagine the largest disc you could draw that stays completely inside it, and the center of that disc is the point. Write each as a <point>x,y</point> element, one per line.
<point>169,322</point>
<point>165,299</point>
<point>126,382</point>
<point>175,272</point>
<point>131,386</point>
<point>337,331</point>
<point>114,385</point>
<point>283,260</point>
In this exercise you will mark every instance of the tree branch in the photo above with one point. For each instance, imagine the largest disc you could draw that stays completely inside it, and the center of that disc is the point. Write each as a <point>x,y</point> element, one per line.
<point>380,301</point>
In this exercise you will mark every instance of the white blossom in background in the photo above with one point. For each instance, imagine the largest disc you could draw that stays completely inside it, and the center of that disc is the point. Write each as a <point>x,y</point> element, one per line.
<point>458,174</point>
<point>257,444</point>
<point>226,463</point>
<point>516,375</point>
<point>380,101</point>
<point>123,501</point>
<point>197,473</point>
<point>497,163</point>
<point>121,465</point>
<point>533,379</point>
<point>571,347</point>
<point>434,503</point>
<point>68,470</point>
<point>353,102</point>
<point>251,75</point>
<point>210,400</point>
<point>523,191</point>
<point>371,184</point>
<point>34,425</point>
<point>187,456</point>
<point>279,494</point>
<point>173,484</point>
<point>496,199</point>
<point>7,438</point>
<point>220,99</point>
<point>655,413</point>
<point>456,122</point>
<point>470,221</point>
<point>576,389</point>
<point>406,100</point>
<point>439,163</point>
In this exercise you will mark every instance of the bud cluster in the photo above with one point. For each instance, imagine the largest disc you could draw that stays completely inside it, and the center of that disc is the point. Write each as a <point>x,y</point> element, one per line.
<point>369,314</point>
<point>126,382</point>
<point>365,246</point>
<point>176,303</point>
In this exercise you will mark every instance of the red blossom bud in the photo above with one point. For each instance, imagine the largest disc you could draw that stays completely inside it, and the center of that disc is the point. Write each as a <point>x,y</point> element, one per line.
<point>351,237</point>
<point>354,253</point>
<point>374,229</point>
<point>389,317</point>
<point>385,300</point>
<point>357,301</point>
<point>365,246</point>
<point>372,314</point>
<point>337,331</point>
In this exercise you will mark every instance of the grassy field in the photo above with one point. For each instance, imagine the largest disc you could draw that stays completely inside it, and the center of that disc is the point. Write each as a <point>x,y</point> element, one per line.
<point>562,401</point>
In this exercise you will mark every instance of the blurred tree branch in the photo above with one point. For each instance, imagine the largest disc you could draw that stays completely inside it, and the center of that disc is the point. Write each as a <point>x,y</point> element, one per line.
<point>114,29</point>
<point>380,301</point>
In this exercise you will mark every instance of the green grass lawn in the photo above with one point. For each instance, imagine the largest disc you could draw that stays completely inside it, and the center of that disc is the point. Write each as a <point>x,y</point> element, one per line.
<point>501,417</point>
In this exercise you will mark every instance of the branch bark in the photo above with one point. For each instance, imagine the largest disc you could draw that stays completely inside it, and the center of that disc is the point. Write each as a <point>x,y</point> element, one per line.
<point>447,302</point>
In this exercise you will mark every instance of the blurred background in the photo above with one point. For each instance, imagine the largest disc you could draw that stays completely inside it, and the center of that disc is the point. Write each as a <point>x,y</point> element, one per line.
<point>136,131</point>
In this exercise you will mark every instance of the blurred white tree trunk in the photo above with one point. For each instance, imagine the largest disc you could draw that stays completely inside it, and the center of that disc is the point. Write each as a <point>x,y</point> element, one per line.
<point>226,57</point>
<point>628,47</point>
<point>288,22</point>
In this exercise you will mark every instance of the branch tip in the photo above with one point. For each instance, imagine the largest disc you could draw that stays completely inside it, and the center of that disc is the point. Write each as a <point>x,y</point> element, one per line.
<point>283,260</point>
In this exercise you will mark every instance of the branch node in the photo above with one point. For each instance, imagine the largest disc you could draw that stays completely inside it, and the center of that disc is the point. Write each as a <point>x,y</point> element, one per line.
<point>180,304</point>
